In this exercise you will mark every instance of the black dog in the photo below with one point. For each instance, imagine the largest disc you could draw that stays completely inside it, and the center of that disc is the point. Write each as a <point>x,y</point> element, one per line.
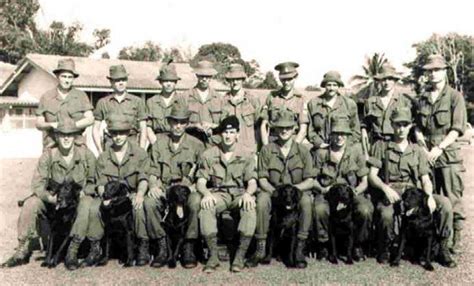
<point>417,227</point>
<point>341,225</point>
<point>176,220</point>
<point>284,224</point>
<point>116,210</point>
<point>61,218</point>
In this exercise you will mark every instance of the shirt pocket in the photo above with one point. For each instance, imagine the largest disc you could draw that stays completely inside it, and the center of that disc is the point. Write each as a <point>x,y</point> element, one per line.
<point>216,113</point>
<point>442,117</point>
<point>296,170</point>
<point>424,116</point>
<point>248,118</point>
<point>327,176</point>
<point>318,120</point>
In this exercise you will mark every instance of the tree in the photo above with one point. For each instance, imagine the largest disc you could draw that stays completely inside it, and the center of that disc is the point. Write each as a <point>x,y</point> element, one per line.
<point>149,52</point>
<point>269,82</point>
<point>364,84</point>
<point>178,55</point>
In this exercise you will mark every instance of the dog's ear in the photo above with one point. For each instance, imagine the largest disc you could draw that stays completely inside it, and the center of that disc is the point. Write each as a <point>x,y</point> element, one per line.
<point>296,194</point>
<point>52,185</point>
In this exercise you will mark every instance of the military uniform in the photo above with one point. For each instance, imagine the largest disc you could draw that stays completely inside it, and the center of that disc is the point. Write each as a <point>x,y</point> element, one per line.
<point>209,111</point>
<point>295,103</point>
<point>158,110</point>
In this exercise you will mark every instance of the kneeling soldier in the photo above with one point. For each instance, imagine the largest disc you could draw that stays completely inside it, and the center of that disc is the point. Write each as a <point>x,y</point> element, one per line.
<point>66,162</point>
<point>403,165</point>
<point>344,164</point>
<point>280,163</point>
<point>174,160</point>
<point>232,181</point>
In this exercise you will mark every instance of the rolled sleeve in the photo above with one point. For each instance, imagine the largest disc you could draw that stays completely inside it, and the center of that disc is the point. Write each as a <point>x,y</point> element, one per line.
<point>377,155</point>
<point>250,172</point>
<point>99,111</point>
<point>142,111</point>
<point>309,170</point>
<point>263,163</point>
<point>204,169</point>
<point>41,175</point>
<point>459,116</point>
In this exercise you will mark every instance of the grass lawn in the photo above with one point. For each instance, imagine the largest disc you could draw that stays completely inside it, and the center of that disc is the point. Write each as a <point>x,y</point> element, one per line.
<point>15,176</point>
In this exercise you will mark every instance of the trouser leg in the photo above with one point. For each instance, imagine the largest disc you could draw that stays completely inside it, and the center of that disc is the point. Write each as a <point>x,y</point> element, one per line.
<point>321,218</point>
<point>363,213</point>
<point>194,205</point>
<point>263,208</point>
<point>153,209</point>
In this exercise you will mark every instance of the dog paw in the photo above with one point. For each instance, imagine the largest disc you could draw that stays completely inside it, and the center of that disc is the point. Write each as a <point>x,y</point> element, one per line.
<point>428,267</point>
<point>332,259</point>
<point>395,263</point>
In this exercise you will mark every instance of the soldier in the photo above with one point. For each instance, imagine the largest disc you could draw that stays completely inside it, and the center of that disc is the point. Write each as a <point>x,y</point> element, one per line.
<point>285,98</point>
<point>63,102</point>
<point>323,108</point>
<point>160,105</point>
<point>283,162</point>
<point>231,176</point>
<point>124,161</point>
<point>342,163</point>
<point>131,107</point>
<point>441,119</point>
<point>204,103</point>
<point>246,107</point>
<point>174,159</point>
<point>65,162</point>
<point>394,168</point>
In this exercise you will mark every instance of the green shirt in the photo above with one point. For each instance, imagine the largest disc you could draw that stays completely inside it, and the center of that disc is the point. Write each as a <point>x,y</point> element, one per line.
<point>293,169</point>
<point>51,165</point>
<point>172,166</point>
<point>157,111</point>
<point>209,110</point>
<point>349,170</point>
<point>134,167</point>
<point>321,114</point>
<point>275,101</point>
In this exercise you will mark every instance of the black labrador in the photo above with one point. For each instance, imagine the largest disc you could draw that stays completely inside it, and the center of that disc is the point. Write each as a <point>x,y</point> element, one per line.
<point>417,228</point>
<point>284,225</point>
<point>61,218</point>
<point>341,225</point>
<point>116,211</point>
<point>176,220</point>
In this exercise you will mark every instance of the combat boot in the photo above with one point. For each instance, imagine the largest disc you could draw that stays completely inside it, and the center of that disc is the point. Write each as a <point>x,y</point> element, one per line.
<point>21,256</point>
<point>300,259</point>
<point>94,255</point>
<point>71,261</point>
<point>383,252</point>
<point>161,259</point>
<point>143,257</point>
<point>444,257</point>
<point>259,254</point>
<point>456,248</point>
<point>213,261</point>
<point>238,263</point>
<point>189,258</point>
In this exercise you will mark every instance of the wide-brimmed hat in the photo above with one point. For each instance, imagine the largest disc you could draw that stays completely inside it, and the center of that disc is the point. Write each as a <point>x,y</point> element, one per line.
<point>179,112</point>
<point>235,71</point>
<point>341,125</point>
<point>168,73</point>
<point>388,71</point>
<point>230,122</point>
<point>117,72</point>
<point>205,68</point>
<point>435,62</point>
<point>66,65</point>
<point>287,70</point>
<point>284,118</point>
<point>67,126</point>
<point>332,76</point>
<point>402,114</point>
<point>117,122</point>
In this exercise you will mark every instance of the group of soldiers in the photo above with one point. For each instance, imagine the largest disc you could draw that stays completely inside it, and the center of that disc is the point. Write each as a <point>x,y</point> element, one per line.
<point>232,151</point>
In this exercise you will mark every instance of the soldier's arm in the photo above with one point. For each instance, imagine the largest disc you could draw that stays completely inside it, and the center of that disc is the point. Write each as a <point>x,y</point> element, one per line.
<point>40,177</point>
<point>143,134</point>
<point>354,116</point>
<point>301,133</point>
<point>88,120</point>
<point>89,188</point>
<point>96,135</point>
<point>42,125</point>
<point>309,172</point>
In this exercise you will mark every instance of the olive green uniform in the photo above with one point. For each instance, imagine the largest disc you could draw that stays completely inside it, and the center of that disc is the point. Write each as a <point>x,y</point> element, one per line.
<point>275,102</point>
<point>158,110</point>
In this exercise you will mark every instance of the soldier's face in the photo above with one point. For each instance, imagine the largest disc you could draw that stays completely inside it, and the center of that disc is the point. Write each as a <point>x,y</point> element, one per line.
<point>178,126</point>
<point>65,79</point>
<point>230,137</point>
<point>436,75</point>
<point>285,133</point>
<point>332,88</point>
<point>203,81</point>
<point>119,138</point>
<point>65,141</point>
<point>387,84</point>
<point>119,85</point>
<point>288,83</point>
<point>338,139</point>
<point>236,84</point>
<point>168,86</point>
<point>401,129</point>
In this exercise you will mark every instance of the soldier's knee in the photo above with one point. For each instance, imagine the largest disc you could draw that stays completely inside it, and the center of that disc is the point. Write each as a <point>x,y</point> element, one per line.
<point>150,204</point>
<point>321,209</point>
<point>386,215</point>
<point>263,202</point>
<point>32,205</point>
<point>364,212</point>
<point>194,202</point>
<point>443,204</point>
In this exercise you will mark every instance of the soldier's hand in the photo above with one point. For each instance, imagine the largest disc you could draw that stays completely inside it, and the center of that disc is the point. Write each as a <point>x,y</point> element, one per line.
<point>391,195</point>
<point>434,154</point>
<point>247,202</point>
<point>431,204</point>
<point>100,191</point>
<point>54,125</point>
<point>324,145</point>
<point>52,199</point>
<point>156,193</point>
<point>138,201</point>
<point>208,202</point>
<point>325,190</point>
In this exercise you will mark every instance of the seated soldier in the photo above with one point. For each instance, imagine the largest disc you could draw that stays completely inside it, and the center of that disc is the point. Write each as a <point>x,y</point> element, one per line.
<point>342,163</point>
<point>283,162</point>
<point>124,161</point>
<point>174,159</point>
<point>392,170</point>
<point>65,162</point>
<point>227,181</point>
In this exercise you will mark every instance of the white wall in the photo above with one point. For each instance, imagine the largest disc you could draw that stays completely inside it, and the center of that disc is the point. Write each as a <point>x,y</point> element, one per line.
<point>35,83</point>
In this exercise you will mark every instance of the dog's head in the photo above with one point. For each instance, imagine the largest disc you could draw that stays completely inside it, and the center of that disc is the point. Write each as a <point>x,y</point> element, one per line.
<point>414,203</point>
<point>287,198</point>
<point>340,198</point>
<point>67,193</point>
<point>177,197</point>
<point>115,189</point>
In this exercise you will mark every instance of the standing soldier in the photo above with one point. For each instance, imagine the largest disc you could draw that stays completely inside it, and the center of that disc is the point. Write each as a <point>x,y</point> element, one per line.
<point>285,98</point>
<point>62,163</point>
<point>325,107</point>
<point>160,105</point>
<point>204,103</point>
<point>394,167</point>
<point>244,106</point>
<point>342,163</point>
<point>63,102</point>
<point>120,102</point>
<point>174,159</point>
<point>227,180</point>
<point>283,162</point>
<point>442,119</point>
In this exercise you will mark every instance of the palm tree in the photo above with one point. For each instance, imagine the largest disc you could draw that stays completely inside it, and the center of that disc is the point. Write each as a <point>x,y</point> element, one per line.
<point>364,85</point>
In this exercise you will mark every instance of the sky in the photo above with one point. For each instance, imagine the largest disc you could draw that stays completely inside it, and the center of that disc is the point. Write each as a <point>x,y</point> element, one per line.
<point>319,35</point>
